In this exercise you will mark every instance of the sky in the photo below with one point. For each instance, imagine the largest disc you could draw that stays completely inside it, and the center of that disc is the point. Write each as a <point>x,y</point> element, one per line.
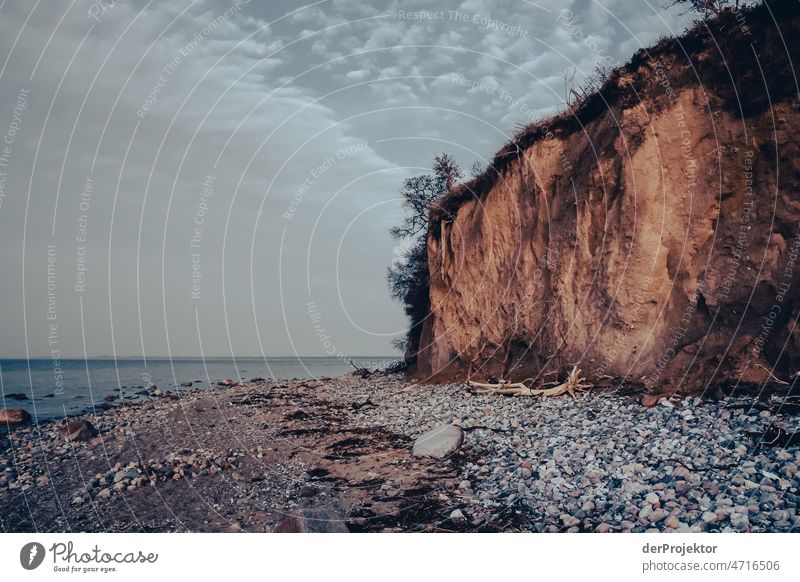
<point>212,178</point>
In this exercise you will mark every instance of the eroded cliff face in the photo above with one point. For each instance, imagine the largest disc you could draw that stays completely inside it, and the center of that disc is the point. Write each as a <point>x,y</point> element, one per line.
<point>654,238</point>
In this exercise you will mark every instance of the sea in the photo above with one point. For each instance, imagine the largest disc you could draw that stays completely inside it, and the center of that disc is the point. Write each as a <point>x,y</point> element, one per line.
<point>50,389</point>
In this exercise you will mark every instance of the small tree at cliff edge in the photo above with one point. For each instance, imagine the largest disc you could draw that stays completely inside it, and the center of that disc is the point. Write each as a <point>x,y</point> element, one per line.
<point>408,274</point>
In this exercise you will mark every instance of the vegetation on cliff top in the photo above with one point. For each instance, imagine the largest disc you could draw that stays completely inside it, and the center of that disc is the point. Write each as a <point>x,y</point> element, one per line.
<point>737,49</point>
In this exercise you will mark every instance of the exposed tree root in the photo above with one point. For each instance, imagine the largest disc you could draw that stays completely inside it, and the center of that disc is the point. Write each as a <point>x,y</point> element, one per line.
<point>574,384</point>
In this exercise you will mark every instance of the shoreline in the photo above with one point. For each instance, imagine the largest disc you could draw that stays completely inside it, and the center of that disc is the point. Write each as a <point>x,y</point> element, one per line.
<point>336,455</point>
<point>91,385</point>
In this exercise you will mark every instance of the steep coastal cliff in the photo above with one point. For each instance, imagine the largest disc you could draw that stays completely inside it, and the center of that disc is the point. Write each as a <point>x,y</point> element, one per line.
<point>650,233</point>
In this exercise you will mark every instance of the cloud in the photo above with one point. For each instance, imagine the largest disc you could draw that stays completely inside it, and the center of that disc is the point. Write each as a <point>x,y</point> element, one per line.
<point>152,101</point>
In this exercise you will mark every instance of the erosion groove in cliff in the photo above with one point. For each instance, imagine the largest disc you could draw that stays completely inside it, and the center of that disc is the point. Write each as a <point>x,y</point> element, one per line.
<point>651,233</point>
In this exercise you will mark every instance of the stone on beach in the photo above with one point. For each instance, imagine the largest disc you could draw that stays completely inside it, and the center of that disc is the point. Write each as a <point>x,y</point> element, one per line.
<point>457,515</point>
<point>319,520</point>
<point>650,400</point>
<point>127,473</point>
<point>14,416</point>
<point>439,442</point>
<point>79,430</point>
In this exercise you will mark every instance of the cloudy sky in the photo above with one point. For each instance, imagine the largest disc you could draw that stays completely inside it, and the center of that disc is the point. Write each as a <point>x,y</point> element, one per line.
<point>209,177</point>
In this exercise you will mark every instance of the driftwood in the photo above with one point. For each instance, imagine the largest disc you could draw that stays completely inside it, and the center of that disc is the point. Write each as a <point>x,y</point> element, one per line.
<point>772,376</point>
<point>575,383</point>
<point>363,372</point>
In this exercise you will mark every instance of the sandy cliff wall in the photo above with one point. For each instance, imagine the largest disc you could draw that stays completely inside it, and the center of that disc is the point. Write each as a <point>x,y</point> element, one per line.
<point>653,233</point>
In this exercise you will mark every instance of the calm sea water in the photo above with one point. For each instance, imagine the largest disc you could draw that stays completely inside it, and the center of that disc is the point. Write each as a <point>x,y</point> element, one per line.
<point>82,385</point>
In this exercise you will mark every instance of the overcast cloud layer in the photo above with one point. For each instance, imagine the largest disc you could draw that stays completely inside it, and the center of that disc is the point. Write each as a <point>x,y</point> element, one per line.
<point>195,173</point>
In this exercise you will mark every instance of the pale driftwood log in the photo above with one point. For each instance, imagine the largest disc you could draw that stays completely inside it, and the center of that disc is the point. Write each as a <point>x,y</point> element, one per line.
<point>771,375</point>
<point>575,383</point>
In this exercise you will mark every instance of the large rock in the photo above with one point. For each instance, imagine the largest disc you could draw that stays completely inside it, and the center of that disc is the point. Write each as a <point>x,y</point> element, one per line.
<point>79,430</point>
<point>439,442</point>
<point>14,416</point>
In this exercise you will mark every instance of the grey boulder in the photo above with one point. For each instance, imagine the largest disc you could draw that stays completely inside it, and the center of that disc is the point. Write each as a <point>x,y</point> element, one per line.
<point>439,442</point>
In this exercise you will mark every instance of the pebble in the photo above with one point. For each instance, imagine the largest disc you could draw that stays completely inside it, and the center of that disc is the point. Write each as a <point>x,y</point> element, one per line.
<point>672,522</point>
<point>128,473</point>
<point>569,520</point>
<point>739,520</point>
<point>658,515</point>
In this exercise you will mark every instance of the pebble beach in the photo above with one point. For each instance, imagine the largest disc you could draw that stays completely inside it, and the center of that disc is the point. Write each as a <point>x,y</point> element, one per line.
<point>339,455</point>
